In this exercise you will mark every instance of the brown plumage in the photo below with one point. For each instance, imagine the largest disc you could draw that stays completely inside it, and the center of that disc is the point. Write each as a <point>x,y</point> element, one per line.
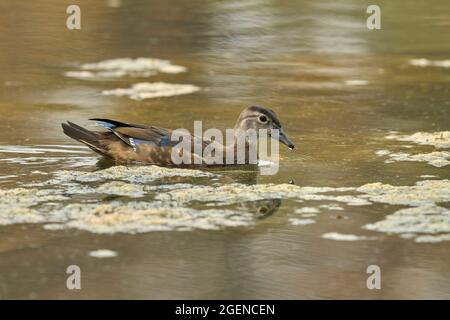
<point>126,143</point>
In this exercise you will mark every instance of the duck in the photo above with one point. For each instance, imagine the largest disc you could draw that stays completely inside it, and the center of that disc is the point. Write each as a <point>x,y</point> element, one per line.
<point>147,144</point>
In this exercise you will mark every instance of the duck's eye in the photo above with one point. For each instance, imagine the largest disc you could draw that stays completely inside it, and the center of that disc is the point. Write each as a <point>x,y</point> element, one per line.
<point>263,119</point>
<point>263,210</point>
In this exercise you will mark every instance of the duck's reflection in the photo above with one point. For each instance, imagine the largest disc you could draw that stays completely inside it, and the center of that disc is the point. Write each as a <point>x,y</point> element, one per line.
<point>245,174</point>
<point>261,208</point>
<point>104,163</point>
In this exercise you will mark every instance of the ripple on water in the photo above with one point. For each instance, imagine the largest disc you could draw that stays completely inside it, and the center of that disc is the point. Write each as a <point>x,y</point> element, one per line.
<point>68,155</point>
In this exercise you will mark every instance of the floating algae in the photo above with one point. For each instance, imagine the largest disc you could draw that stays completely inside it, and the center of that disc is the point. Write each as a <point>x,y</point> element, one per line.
<point>430,219</point>
<point>331,207</point>
<point>8,176</point>
<point>425,217</point>
<point>139,217</point>
<point>436,158</point>
<point>115,68</point>
<point>135,65</point>
<point>172,204</point>
<point>136,174</point>
<point>429,63</point>
<point>347,199</point>
<point>16,205</point>
<point>345,237</point>
<point>90,75</point>
<point>103,253</point>
<point>356,82</point>
<point>236,193</point>
<point>432,239</point>
<point>168,210</point>
<point>301,222</point>
<point>427,192</point>
<point>132,190</point>
<point>120,180</point>
<point>307,210</point>
<point>147,90</point>
<point>440,139</point>
<point>382,152</point>
<point>308,215</point>
<point>122,189</point>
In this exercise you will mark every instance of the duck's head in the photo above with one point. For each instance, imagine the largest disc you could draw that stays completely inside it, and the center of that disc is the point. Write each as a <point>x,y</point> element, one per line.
<point>257,117</point>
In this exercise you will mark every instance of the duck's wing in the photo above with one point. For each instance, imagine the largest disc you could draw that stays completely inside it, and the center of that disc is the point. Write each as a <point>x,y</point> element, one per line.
<point>131,142</point>
<point>135,134</point>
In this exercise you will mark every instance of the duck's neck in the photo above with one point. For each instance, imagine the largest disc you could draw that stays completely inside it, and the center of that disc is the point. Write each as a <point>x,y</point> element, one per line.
<point>240,150</point>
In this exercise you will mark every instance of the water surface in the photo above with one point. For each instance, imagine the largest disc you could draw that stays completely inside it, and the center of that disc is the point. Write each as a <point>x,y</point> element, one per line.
<point>338,88</point>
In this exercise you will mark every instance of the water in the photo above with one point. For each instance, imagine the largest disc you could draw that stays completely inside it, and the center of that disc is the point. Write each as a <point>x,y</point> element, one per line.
<point>339,90</point>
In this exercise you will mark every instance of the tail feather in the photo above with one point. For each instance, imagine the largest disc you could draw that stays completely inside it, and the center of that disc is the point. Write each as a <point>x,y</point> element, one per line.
<point>84,136</point>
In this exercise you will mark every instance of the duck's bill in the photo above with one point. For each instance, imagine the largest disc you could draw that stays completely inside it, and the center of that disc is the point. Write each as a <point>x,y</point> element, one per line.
<point>283,138</point>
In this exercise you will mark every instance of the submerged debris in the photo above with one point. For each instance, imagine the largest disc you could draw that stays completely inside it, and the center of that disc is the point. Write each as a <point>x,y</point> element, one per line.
<point>147,90</point>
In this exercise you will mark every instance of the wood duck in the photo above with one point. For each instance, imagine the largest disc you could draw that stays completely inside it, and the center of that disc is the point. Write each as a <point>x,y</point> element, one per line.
<point>125,143</point>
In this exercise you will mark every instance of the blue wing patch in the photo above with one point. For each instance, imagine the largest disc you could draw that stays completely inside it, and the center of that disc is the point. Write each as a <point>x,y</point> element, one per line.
<point>106,124</point>
<point>165,141</point>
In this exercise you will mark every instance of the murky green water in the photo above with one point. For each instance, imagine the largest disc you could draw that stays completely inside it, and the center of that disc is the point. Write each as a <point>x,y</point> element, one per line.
<point>339,90</point>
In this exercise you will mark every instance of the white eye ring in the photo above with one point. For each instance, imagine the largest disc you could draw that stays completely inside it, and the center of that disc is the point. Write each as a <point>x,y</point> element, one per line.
<point>263,119</point>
